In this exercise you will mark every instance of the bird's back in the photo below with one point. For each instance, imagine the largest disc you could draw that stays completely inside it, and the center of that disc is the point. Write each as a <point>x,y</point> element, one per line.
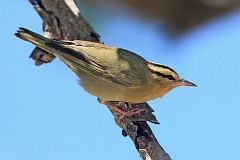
<point>121,64</point>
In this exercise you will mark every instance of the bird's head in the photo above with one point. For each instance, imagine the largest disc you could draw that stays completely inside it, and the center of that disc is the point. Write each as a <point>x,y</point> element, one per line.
<point>166,76</point>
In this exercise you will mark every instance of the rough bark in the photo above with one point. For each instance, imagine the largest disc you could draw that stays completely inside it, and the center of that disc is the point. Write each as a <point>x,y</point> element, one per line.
<point>62,20</point>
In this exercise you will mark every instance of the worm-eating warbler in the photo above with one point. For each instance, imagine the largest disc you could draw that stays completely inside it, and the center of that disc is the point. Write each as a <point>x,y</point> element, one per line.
<point>109,73</point>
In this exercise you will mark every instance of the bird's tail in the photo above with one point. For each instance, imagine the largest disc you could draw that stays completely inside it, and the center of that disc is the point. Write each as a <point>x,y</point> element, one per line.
<point>51,46</point>
<point>74,58</point>
<point>36,39</point>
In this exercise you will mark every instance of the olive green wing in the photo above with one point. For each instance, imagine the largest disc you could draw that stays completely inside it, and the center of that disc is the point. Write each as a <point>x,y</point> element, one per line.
<point>118,65</point>
<point>77,58</point>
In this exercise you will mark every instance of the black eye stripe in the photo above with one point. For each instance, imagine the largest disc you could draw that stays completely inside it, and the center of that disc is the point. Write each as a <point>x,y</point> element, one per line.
<point>170,77</point>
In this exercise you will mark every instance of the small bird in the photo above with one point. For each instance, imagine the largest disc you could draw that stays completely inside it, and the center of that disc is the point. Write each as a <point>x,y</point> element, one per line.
<point>109,73</point>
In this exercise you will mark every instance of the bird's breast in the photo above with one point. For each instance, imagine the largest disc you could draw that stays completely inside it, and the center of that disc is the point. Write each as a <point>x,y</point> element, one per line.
<point>116,92</point>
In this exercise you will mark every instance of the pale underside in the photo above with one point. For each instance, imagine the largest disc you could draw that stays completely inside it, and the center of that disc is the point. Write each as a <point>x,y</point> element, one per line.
<point>116,92</point>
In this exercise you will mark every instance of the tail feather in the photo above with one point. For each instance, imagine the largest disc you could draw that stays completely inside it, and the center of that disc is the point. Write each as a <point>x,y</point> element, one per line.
<point>50,46</point>
<point>74,58</point>
<point>32,37</point>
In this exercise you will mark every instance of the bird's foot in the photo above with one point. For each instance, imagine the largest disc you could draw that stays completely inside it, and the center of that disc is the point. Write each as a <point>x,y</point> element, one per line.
<point>130,113</point>
<point>123,113</point>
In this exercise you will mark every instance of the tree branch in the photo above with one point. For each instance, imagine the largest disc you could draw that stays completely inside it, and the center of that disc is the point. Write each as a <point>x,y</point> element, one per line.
<point>62,20</point>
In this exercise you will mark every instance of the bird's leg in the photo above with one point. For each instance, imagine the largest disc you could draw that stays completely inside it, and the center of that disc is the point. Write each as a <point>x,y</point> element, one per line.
<point>123,113</point>
<point>126,113</point>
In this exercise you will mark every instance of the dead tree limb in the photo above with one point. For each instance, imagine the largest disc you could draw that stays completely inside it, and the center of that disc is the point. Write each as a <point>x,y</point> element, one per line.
<point>62,20</point>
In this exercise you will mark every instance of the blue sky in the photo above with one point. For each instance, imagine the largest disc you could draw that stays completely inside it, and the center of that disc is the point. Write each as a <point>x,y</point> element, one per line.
<point>44,114</point>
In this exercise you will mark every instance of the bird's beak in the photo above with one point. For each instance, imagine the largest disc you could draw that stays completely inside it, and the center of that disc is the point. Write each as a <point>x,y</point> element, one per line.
<point>183,82</point>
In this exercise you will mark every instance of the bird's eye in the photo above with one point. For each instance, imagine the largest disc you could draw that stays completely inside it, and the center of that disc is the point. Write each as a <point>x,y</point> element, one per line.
<point>170,77</point>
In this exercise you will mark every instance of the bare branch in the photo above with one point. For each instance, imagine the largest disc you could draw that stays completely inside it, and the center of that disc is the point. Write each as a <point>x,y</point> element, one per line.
<point>62,20</point>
